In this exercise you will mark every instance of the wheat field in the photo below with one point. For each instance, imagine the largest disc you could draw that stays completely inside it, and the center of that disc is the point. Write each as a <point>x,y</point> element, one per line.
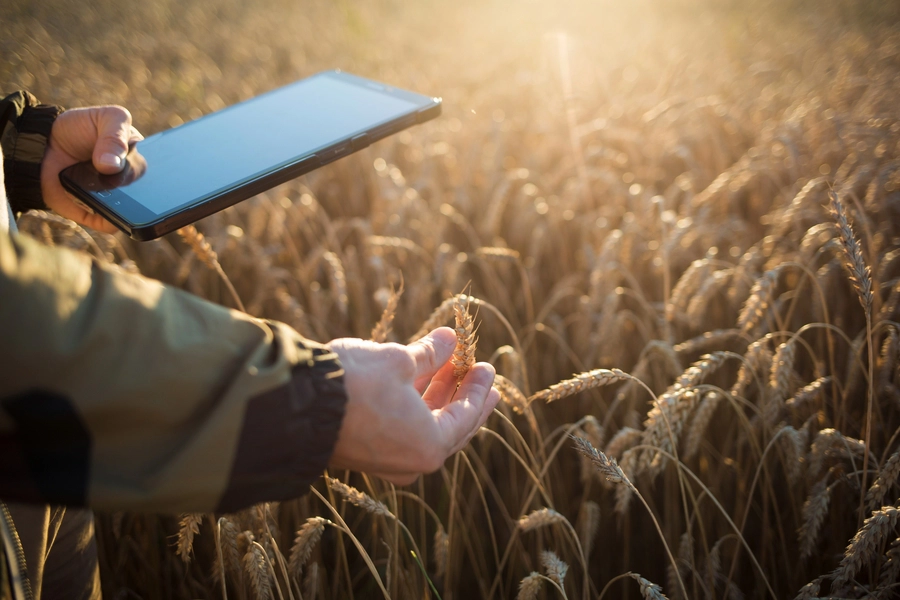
<point>675,224</point>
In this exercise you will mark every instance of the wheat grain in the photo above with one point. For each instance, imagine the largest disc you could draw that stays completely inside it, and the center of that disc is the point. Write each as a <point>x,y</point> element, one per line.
<point>706,341</point>
<point>758,302</point>
<point>860,274</point>
<point>649,590</point>
<point>791,443</point>
<point>358,498</point>
<point>579,383</point>
<point>757,358</point>
<point>814,510</point>
<point>664,424</point>
<point>504,254</point>
<point>700,423</point>
<point>256,569</point>
<point>863,548</point>
<point>541,517</point>
<point>530,587</point>
<point>887,479</point>
<point>810,591</point>
<point>200,246</point>
<point>439,316</point>
<point>189,527</point>
<point>463,357</point>
<point>808,393</point>
<point>307,538</point>
<point>555,568</point>
<point>829,443</point>
<point>605,465</point>
<point>782,369</point>
<point>511,394</point>
<point>695,374</point>
<point>338,281</point>
<point>687,284</point>
<point>625,438</point>
<point>383,328</point>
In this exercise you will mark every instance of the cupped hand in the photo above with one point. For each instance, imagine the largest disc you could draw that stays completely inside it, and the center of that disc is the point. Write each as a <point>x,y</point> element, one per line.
<point>405,415</point>
<point>101,134</point>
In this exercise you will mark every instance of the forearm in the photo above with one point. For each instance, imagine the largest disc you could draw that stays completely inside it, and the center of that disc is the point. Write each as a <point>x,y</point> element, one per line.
<point>25,126</point>
<point>120,393</point>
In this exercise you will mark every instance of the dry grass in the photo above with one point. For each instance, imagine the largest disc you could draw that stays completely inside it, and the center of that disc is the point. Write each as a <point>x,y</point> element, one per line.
<point>696,208</point>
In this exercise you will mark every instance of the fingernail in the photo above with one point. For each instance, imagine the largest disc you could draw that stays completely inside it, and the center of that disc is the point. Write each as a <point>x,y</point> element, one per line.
<point>111,160</point>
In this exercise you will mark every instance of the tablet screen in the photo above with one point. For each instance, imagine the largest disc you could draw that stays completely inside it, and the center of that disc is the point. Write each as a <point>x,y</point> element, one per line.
<point>240,143</point>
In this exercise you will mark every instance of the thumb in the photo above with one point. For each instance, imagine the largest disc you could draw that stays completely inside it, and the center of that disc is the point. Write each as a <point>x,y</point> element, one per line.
<point>113,126</point>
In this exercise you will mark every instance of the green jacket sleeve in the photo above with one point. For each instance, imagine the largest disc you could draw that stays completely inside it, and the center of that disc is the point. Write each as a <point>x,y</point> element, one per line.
<point>117,392</point>
<point>25,126</point>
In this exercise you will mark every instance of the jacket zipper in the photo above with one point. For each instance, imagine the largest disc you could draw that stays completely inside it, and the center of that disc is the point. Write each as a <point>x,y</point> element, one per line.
<point>19,582</point>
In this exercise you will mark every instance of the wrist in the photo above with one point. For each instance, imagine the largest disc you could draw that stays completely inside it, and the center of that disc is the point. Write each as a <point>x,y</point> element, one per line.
<point>26,125</point>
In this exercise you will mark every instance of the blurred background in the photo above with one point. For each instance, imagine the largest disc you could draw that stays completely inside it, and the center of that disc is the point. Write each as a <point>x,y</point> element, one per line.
<point>636,169</point>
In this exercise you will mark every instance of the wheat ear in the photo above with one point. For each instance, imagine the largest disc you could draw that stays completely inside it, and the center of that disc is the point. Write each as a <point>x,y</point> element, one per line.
<point>579,383</point>
<point>383,327</point>
<point>864,546</point>
<point>530,587</point>
<point>358,498</point>
<point>887,479</point>
<point>208,256</point>
<point>463,357</point>
<point>555,567</point>
<point>307,538</point>
<point>188,528</point>
<point>649,590</point>
<point>439,316</point>
<point>511,394</point>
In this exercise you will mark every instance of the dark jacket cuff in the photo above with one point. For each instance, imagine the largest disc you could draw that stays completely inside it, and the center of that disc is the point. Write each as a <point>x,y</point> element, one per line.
<point>288,434</point>
<point>25,126</point>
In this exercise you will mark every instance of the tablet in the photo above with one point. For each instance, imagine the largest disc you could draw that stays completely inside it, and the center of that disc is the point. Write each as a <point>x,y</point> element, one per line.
<point>178,176</point>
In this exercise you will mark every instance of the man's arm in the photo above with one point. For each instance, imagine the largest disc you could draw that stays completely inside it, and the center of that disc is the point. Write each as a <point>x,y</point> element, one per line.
<point>118,392</point>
